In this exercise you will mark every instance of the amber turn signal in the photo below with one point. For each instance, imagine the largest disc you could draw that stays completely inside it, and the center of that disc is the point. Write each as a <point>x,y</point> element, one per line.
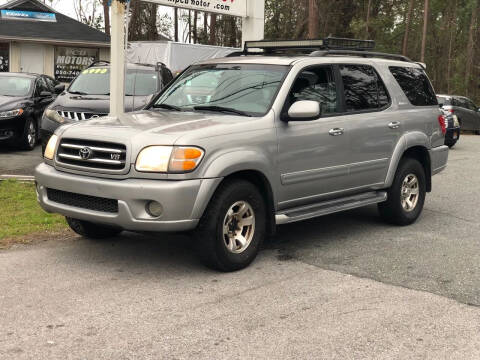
<point>185,159</point>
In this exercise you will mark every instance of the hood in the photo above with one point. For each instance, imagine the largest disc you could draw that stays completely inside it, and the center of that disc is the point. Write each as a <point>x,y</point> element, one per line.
<point>146,128</point>
<point>11,103</point>
<point>97,104</point>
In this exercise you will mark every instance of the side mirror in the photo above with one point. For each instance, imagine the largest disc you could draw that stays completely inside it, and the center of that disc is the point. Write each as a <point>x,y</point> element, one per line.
<point>304,110</point>
<point>440,105</point>
<point>45,94</point>
<point>59,88</point>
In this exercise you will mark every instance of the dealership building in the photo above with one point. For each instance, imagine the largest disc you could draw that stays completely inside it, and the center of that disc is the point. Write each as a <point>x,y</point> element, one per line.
<point>35,38</point>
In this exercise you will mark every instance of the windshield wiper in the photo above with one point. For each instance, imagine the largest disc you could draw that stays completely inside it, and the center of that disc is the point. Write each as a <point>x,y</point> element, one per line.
<point>221,109</point>
<point>167,106</point>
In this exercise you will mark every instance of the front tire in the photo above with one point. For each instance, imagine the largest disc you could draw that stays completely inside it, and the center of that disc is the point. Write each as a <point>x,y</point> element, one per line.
<point>406,196</point>
<point>30,135</point>
<point>232,228</point>
<point>91,230</point>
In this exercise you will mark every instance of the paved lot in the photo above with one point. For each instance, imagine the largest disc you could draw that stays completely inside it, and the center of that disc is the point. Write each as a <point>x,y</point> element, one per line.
<point>14,162</point>
<point>341,287</point>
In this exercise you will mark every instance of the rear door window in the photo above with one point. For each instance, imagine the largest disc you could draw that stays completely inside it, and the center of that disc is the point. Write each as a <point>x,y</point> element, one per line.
<point>363,88</point>
<point>415,85</point>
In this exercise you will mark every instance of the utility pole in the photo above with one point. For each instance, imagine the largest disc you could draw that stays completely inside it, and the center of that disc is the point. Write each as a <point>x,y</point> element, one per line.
<point>117,57</point>
<point>425,28</point>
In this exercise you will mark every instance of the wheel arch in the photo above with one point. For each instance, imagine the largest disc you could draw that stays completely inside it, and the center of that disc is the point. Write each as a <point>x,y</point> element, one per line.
<point>414,145</point>
<point>260,180</point>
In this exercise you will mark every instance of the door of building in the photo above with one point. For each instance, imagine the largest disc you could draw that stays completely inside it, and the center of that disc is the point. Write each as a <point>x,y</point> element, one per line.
<point>32,58</point>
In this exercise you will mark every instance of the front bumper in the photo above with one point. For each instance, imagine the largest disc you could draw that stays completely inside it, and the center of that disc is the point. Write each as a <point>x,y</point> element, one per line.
<point>11,128</point>
<point>183,201</point>
<point>438,158</point>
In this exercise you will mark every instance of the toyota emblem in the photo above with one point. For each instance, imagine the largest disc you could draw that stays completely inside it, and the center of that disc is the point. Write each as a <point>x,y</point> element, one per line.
<point>85,153</point>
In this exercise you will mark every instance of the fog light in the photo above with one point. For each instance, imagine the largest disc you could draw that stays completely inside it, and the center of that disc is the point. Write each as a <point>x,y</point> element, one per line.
<point>154,209</point>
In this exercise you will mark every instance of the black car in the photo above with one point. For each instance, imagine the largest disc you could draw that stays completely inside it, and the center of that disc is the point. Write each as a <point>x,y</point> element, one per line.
<point>23,98</point>
<point>88,96</point>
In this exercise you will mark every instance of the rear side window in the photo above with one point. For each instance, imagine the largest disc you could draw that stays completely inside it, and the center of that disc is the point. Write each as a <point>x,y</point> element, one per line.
<point>363,88</point>
<point>415,85</point>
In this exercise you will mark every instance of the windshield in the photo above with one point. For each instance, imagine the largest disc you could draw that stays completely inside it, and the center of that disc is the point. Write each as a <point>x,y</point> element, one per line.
<point>15,86</point>
<point>96,81</point>
<point>245,88</point>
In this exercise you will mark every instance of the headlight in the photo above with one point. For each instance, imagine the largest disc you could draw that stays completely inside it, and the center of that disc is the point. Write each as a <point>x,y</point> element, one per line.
<point>53,115</point>
<point>11,113</point>
<point>50,149</point>
<point>169,159</point>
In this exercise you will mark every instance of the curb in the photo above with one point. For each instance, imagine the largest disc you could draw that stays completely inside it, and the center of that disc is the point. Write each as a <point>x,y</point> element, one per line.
<point>22,178</point>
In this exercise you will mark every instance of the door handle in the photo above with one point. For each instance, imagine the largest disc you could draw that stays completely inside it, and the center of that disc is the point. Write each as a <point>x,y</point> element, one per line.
<point>394,125</point>
<point>336,131</point>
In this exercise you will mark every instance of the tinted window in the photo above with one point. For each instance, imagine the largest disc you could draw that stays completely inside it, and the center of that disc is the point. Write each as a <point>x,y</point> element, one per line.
<point>316,84</point>
<point>41,86</point>
<point>471,105</point>
<point>50,83</point>
<point>363,88</point>
<point>415,85</point>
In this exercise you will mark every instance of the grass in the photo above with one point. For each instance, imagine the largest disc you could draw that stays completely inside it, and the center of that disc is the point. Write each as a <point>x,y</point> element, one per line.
<point>21,218</point>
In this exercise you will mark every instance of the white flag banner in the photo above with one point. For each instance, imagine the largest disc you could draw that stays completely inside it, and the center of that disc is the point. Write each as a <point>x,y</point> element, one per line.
<point>227,7</point>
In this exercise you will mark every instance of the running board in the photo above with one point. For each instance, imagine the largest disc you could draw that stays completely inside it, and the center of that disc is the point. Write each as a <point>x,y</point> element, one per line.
<point>329,207</point>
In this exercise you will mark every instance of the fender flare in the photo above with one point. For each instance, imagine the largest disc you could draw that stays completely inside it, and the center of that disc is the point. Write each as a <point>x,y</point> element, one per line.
<point>406,142</point>
<point>227,164</point>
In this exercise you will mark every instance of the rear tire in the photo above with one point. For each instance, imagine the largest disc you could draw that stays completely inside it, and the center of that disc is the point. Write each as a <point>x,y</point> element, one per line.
<point>406,196</point>
<point>92,230</point>
<point>232,228</point>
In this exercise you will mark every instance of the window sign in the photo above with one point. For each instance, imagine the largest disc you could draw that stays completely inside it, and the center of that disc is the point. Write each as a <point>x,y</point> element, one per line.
<point>4,57</point>
<point>70,62</point>
<point>28,15</point>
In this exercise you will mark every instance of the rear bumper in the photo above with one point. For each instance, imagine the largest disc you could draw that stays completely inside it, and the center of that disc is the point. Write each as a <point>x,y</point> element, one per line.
<point>183,201</point>
<point>438,158</point>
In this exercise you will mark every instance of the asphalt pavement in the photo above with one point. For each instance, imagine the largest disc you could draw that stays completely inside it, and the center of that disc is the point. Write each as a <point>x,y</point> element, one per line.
<point>345,286</point>
<point>15,162</point>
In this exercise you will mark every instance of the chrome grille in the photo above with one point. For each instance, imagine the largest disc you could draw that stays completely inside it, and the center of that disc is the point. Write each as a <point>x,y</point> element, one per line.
<point>90,154</point>
<point>76,116</point>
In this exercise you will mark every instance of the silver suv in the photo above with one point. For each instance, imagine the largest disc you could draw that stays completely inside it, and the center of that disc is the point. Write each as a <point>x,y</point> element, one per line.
<point>235,146</point>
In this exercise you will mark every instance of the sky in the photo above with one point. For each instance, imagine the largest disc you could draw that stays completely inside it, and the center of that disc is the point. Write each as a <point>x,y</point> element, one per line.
<point>63,6</point>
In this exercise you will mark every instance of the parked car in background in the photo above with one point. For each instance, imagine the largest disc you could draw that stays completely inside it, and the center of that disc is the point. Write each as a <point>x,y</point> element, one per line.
<point>235,146</point>
<point>23,98</point>
<point>88,96</point>
<point>467,112</point>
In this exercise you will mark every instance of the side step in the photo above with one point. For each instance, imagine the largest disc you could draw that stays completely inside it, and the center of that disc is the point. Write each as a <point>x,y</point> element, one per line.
<point>329,207</point>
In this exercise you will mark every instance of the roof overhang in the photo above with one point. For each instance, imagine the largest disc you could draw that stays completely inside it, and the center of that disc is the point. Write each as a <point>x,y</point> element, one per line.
<point>56,41</point>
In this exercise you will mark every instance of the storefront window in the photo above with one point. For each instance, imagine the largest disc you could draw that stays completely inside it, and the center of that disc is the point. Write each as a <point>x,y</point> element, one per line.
<point>4,57</point>
<point>70,62</point>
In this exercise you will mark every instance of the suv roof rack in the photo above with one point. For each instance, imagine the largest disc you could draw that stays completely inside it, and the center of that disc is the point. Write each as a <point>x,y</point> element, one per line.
<point>367,54</point>
<point>317,47</point>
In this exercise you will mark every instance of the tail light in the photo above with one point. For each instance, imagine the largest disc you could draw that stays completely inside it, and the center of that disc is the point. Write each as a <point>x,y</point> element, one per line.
<point>443,123</point>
